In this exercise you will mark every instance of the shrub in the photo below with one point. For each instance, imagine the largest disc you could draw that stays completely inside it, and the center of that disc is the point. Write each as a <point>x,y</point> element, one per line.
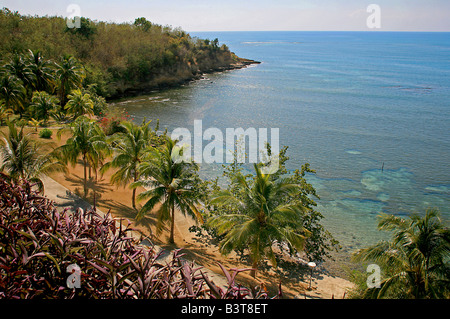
<point>38,243</point>
<point>110,122</point>
<point>45,133</point>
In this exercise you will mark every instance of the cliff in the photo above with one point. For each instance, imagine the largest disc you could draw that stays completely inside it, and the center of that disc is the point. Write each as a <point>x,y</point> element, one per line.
<point>119,59</point>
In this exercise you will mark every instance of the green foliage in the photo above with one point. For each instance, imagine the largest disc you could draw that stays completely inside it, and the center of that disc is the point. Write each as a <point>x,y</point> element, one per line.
<point>118,58</point>
<point>34,123</point>
<point>168,182</point>
<point>87,141</point>
<point>69,74</point>
<point>12,92</point>
<point>256,212</point>
<point>24,158</point>
<point>129,147</point>
<point>28,82</point>
<point>80,103</point>
<point>258,218</point>
<point>4,114</point>
<point>143,24</point>
<point>38,243</point>
<point>43,71</point>
<point>43,105</point>
<point>415,262</point>
<point>45,133</point>
<point>87,28</point>
<point>19,67</point>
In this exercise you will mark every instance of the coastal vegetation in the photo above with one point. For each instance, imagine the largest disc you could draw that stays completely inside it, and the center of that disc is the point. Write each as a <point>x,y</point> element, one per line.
<point>262,212</point>
<point>116,59</point>
<point>38,244</point>
<point>129,145</point>
<point>87,141</point>
<point>168,182</point>
<point>53,75</point>
<point>415,262</point>
<point>260,217</point>
<point>24,158</point>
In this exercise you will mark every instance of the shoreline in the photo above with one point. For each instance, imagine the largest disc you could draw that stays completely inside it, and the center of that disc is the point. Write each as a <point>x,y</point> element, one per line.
<point>294,277</point>
<point>145,89</point>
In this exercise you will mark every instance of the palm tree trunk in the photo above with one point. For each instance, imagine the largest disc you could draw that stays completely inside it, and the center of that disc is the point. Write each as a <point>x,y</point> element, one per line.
<point>62,95</point>
<point>172,226</point>
<point>133,198</point>
<point>85,175</point>
<point>255,267</point>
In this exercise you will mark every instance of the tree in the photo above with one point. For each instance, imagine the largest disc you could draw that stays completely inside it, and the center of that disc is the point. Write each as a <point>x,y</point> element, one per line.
<point>79,103</point>
<point>415,260</point>
<point>69,74</point>
<point>143,23</point>
<point>33,122</point>
<point>169,182</point>
<point>43,105</point>
<point>129,148</point>
<point>318,242</point>
<point>23,158</point>
<point>12,92</point>
<point>20,67</point>
<point>4,113</point>
<point>42,70</point>
<point>87,28</point>
<point>257,218</point>
<point>87,140</point>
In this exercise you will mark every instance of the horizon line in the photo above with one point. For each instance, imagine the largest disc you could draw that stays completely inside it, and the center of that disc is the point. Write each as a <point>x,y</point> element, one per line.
<point>369,31</point>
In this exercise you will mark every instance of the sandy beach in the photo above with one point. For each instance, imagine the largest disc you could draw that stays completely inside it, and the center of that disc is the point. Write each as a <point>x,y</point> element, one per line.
<point>67,190</point>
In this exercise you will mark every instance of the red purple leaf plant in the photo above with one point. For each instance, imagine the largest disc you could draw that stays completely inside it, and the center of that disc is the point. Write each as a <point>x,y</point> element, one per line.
<point>38,243</point>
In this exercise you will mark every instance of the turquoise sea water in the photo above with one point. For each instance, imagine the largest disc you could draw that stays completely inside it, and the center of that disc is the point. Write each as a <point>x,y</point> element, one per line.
<point>345,102</point>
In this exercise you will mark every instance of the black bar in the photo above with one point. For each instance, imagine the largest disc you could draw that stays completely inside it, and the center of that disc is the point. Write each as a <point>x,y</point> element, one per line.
<point>170,309</point>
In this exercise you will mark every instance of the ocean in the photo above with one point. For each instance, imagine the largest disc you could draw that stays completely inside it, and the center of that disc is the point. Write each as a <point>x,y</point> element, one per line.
<point>370,112</point>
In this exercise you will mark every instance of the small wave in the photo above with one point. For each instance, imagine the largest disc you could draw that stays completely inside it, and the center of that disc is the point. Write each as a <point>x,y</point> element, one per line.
<point>415,89</point>
<point>353,152</point>
<point>384,197</point>
<point>438,188</point>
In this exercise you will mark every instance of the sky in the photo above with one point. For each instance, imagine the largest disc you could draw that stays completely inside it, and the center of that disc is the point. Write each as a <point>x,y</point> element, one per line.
<point>256,15</point>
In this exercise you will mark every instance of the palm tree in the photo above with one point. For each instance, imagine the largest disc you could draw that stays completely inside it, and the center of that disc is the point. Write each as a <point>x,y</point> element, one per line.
<point>42,70</point>
<point>87,140</point>
<point>42,105</point>
<point>23,158</point>
<point>33,122</point>
<point>170,183</point>
<point>69,74</point>
<point>12,92</point>
<point>129,148</point>
<point>21,68</point>
<point>256,216</point>
<point>4,113</point>
<point>416,260</point>
<point>79,104</point>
